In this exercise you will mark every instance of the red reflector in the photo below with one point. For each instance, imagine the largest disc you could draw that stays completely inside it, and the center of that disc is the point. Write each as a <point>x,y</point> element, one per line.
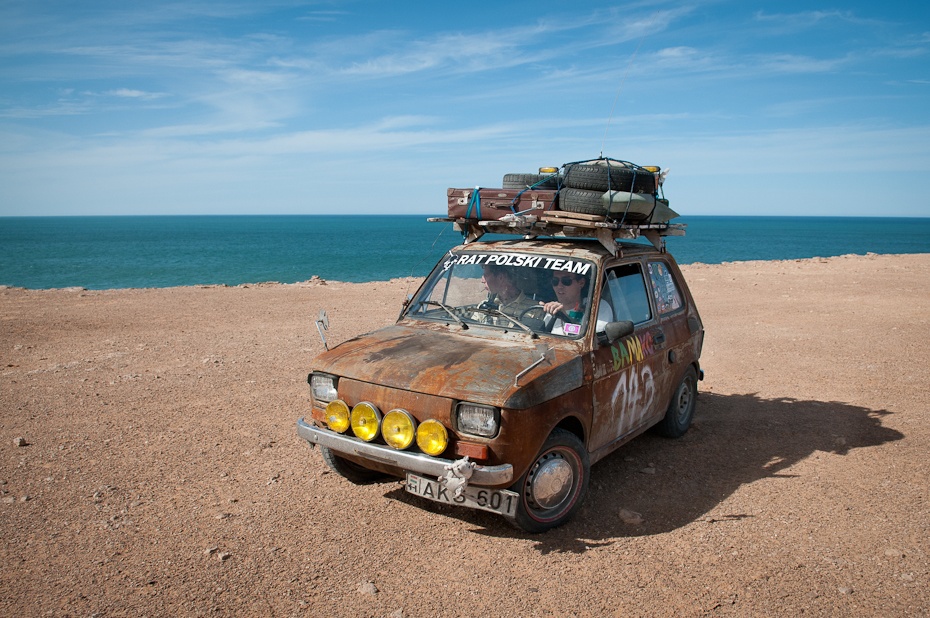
<point>475,451</point>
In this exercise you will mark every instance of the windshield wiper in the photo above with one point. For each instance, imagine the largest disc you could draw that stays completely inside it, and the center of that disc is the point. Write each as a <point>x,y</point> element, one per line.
<point>436,303</point>
<point>498,312</point>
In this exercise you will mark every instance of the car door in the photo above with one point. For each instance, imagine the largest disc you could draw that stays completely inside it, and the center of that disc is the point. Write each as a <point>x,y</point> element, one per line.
<point>628,376</point>
<point>677,319</point>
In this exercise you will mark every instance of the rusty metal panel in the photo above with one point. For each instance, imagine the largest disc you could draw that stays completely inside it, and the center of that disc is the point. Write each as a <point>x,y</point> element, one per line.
<point>420,405</point>
<point>450,365</point>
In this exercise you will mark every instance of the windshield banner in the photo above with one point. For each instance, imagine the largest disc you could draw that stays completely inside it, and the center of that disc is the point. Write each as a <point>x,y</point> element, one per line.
<point>519,260</point>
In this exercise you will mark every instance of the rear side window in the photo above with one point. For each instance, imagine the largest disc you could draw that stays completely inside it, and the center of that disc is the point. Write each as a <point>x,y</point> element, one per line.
<point>664,290</point>
<point>626,293</point>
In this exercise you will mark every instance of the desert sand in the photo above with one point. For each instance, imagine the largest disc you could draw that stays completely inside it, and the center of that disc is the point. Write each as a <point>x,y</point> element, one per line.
<point>149,464</point>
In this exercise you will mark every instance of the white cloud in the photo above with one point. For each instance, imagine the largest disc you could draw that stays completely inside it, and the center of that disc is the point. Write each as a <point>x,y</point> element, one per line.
<point>153,105</point>
<point>129,93</point>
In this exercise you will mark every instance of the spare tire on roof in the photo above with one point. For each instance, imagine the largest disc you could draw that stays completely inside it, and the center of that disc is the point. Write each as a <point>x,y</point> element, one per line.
<point>609,176</point>
<point>618,205</point>
<point>582,201</point>
<point>537,181</point>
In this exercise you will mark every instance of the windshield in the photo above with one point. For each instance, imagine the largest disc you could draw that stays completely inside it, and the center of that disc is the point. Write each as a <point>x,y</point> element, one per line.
<point>538,294</point>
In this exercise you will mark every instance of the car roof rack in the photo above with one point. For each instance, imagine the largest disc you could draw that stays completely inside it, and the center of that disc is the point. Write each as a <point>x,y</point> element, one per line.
<point>562,224</point>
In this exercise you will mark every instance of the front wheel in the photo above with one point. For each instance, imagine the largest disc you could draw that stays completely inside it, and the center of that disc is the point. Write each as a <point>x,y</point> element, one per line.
<point>554,487</point>
<point>360,475</point>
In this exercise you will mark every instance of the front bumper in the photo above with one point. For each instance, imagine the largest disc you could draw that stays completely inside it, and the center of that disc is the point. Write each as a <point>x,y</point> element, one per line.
<point>410,462</point>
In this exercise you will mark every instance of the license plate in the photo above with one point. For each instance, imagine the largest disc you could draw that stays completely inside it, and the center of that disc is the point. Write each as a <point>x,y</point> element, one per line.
<point>494,500</point>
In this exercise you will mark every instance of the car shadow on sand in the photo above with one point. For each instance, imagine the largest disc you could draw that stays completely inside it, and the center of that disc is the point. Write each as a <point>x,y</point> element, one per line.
<point>734,440</point>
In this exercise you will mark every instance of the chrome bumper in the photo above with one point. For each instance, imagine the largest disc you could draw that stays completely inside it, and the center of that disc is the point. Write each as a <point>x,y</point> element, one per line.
<point>410,462</point>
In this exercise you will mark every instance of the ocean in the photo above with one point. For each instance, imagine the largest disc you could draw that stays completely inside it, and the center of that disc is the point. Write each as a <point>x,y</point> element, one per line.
<point>166,251</point>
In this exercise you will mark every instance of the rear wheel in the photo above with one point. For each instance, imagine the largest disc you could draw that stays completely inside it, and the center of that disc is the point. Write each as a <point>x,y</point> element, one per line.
<point>681,409</point>
<point>554,487</point>
<point>360,475</point>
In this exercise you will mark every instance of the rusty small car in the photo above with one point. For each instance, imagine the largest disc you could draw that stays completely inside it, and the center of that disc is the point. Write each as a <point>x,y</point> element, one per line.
<point>517,365</point>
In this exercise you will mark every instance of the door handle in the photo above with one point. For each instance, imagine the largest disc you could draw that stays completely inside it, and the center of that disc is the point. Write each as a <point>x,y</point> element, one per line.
<point>659,336</point>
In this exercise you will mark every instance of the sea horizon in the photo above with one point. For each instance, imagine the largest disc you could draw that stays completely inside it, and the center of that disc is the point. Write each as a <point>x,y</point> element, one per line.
<point>154,251</point>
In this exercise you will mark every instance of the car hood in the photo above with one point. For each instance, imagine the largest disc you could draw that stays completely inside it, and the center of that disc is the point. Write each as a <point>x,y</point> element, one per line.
<point>458,366</point>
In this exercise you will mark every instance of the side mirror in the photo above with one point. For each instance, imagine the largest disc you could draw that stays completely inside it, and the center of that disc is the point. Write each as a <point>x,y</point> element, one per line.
<point>618,330</point>
<point>322,323</point>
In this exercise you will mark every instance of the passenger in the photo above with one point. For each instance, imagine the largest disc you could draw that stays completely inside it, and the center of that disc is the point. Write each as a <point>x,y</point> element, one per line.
<point>503,294</point>
<point>571,292</point>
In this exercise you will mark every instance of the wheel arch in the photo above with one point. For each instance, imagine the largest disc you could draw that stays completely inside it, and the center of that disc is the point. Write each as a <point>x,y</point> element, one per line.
<point>573,425</point>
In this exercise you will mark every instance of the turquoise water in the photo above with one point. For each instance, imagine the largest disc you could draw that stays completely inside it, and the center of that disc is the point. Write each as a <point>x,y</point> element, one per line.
<point>165,251</point>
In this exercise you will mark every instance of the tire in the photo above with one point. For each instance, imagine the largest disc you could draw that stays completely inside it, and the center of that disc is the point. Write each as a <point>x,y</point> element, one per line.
<point>681,409</point>
<point>523,181</point>
<point>555,485</point>
<point>360,475</point>
<point>583,201</point>
<point>609,177</point>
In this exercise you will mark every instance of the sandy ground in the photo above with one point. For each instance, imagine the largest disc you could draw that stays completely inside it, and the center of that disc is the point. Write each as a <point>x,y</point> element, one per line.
<point>149,464</point>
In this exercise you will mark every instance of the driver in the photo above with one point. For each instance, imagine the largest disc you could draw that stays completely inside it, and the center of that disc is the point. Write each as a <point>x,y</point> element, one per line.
<point>503,294</point>
<point>571,293</point>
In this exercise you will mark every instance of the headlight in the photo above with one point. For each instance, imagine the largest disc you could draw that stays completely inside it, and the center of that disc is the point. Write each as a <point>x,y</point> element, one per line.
<point>477,420</point>
<point>337,415</point>
<point>432,437</point>
<point>398,429</point>
<point>322,387</point>
<point>366,421</point>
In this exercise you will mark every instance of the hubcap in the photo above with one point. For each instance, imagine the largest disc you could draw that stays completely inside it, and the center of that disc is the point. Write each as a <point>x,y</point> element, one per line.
<point>684,400</point>
<point>552,482</point>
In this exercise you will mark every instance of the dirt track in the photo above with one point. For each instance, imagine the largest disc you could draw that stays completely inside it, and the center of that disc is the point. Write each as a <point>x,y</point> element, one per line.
<point>161,474</point>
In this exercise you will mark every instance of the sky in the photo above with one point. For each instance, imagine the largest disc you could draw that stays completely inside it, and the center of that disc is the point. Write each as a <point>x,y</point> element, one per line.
<point>359,107</point>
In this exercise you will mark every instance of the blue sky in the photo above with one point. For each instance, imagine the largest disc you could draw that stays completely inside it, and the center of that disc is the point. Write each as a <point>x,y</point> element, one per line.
<point>756,108</point>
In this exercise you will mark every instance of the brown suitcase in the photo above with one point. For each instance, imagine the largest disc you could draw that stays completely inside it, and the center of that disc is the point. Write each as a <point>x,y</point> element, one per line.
<point>492,204</point>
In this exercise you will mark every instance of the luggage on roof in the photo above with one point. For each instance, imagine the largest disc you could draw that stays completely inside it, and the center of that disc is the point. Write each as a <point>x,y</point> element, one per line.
<point>603,198</point>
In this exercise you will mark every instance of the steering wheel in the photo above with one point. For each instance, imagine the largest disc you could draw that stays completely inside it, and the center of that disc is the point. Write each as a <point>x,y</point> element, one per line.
<point>537,309</point>
<point>535,318</point>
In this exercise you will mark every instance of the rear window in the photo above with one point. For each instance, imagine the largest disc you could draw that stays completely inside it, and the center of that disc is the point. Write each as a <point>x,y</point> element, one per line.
<point>664,290</point>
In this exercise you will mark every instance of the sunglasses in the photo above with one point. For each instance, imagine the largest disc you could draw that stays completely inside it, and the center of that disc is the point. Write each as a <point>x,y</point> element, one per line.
<point>566,281</point>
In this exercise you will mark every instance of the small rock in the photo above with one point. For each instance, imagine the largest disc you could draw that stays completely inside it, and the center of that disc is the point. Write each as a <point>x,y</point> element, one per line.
<point>225,556</point>
<point>631,517</point>
<point>20,441</point>
<point>210,551</point>
<point>649,470</point>
<point>9,499</point>
<point>368,588</point>
<point>845,590</point>
<point>894,553</point>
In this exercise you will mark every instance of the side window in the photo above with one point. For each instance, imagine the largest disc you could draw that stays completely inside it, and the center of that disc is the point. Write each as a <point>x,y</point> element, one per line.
<point>664,290</point>
<point>626,291</point>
